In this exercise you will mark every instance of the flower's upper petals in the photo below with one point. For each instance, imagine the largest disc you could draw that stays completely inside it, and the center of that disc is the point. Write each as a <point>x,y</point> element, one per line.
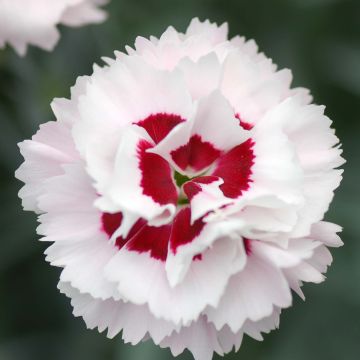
<point>146,187</point>
<point>253,87</point>
<point>141,279</point>
<point>214,33</point>
<point>206,71</point>
<point>37,25</point>
<point>196,145</point>
<point>200,39</point>
<point>49,149</point>
<point>253,292</point>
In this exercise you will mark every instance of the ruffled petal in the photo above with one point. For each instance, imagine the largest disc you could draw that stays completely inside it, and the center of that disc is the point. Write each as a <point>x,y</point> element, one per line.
<point>50,148</point>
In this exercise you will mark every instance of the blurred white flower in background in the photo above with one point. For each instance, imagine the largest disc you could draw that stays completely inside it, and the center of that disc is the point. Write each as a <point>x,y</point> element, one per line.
<point>33,22</point>
<point>184,186</point>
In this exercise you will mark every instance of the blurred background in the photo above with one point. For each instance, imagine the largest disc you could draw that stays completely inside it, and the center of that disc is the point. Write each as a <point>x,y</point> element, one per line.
<point>318,39</point>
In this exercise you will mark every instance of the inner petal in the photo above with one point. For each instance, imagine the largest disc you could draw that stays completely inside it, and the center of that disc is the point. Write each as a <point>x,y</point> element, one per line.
<point>141,238</point>
<point>159,125</point>
<point>156,181</point>
<point>234,167</point>
<point>196,154</point>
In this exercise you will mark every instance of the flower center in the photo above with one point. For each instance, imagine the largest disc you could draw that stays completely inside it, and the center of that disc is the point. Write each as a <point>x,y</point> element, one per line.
<point>222,173</point>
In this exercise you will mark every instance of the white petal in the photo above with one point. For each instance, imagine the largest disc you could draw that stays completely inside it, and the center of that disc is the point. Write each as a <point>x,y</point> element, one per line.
<point>253,292</point>
<point>44,156</point>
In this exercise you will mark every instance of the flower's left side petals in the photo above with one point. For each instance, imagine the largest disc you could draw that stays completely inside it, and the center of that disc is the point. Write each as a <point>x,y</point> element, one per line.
<point>142,182</point>
<point>134,321</point>
<point>66,110</point>
<point>80,246</point>
<point>44,155</point>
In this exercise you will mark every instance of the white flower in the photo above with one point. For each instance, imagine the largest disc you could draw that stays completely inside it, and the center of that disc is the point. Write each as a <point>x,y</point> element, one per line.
<point>183,187</point>
<point>34,22</point>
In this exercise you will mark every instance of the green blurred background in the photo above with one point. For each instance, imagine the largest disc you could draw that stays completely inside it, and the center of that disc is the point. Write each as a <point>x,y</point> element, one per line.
<point>318,39</point>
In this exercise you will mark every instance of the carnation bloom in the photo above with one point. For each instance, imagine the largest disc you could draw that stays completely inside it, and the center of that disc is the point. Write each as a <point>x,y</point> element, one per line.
<point>34,22</point>
<point>183,187</point>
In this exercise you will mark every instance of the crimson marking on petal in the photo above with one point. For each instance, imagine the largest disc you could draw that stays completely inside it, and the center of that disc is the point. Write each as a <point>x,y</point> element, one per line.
<point>156,181</point>
<point>192,187</point>
<point>245,125</point>
<point>151,239</point>
<point>159,125</point>
<point>111,222</point>
<point>234,167</point>
<point>247,246</point>
<point>141,238</point>
<point>197,257</point>
<point>196,154</point>
<point>182,231</point>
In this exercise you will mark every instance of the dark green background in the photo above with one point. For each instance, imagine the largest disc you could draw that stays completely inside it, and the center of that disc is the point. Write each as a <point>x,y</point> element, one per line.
<point>318,39</point>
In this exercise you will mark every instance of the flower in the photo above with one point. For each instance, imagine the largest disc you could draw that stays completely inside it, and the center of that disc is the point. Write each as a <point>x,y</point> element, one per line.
<point>183,187</point>
<point>35,23</point>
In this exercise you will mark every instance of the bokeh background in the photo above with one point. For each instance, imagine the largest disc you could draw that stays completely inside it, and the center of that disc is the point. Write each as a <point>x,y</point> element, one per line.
<point>318,39</point>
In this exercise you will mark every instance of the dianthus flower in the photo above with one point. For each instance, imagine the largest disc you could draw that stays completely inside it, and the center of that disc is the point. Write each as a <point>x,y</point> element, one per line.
<point>183,187</point>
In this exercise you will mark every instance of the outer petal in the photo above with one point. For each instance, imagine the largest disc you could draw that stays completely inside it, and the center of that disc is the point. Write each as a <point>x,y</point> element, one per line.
<point>72,222</point>
<point>315,144</point>
<point>253,292</point>
<point>142,279</point>
<point>200,338</point>
<point>253,87</point>
<point>200,39</point>
<point>44,155</point>
<point>135,322</point>
<point>190,239</point>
